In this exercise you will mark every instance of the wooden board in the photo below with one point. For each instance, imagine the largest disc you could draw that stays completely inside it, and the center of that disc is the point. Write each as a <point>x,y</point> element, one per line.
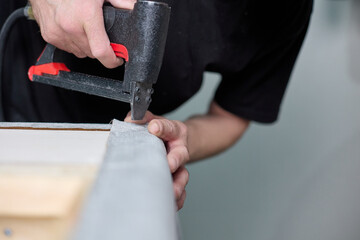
<point>44,176</point>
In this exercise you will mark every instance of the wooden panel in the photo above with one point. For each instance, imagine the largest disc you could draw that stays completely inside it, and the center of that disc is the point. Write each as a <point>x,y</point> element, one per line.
<point>38,196</point>
<point>35,229</point>
<point>42,202</point>
<point>44,176</point>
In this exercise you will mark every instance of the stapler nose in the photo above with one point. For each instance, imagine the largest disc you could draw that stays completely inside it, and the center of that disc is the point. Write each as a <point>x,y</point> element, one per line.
<point>141,99</point>
<point>138,114</point>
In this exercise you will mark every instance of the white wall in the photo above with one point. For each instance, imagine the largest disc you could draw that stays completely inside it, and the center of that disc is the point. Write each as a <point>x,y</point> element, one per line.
<point>300,178</point>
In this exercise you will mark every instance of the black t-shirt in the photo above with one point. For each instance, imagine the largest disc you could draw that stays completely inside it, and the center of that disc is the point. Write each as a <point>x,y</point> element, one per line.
<point>253,44</point>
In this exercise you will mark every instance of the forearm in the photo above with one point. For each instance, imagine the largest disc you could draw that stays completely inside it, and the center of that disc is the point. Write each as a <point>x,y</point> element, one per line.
<point>213,132</point>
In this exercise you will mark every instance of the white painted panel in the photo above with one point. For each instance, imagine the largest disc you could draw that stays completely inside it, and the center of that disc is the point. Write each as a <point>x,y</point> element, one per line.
<point>52,146</point>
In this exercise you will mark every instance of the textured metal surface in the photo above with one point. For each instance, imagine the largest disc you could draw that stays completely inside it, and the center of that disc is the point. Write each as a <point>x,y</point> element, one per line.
<point>132,197</point>
<point>103,87</point>
<point>143,32</point>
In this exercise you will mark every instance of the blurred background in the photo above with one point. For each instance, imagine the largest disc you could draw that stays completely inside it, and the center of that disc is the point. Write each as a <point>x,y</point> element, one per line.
<point>299,178</point>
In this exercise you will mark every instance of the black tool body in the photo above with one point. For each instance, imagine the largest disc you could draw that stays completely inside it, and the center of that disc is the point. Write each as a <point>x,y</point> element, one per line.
<point>138,36</point>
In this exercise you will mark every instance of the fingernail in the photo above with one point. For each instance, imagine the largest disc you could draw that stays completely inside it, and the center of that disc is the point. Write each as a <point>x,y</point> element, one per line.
<point>154,128</point>
<point>120,61</point>
<point>173,165</point>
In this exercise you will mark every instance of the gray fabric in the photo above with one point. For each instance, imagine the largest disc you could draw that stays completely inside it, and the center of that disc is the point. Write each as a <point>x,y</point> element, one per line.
<point>132,197</point>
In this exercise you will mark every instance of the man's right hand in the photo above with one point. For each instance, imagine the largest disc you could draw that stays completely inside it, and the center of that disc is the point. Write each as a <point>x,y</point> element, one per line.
<point>77,26</point>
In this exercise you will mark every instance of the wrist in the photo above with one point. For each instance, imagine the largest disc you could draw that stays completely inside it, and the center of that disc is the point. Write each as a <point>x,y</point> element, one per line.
<point>192,141</point>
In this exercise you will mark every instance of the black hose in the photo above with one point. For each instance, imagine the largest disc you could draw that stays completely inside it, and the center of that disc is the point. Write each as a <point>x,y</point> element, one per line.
<point>4,34</point>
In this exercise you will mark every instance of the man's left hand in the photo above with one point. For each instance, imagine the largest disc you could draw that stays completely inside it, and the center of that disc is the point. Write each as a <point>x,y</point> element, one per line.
<point>174,134</point>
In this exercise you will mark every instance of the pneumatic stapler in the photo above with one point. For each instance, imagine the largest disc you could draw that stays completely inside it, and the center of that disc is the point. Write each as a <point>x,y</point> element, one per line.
<point>138,36</point>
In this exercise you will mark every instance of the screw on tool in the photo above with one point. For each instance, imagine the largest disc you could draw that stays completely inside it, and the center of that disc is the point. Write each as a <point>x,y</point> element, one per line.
<point>150,90</point>
<point>148,99</point>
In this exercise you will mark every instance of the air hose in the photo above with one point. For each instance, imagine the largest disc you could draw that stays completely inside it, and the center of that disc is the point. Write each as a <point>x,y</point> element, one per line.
<point>4,34</point>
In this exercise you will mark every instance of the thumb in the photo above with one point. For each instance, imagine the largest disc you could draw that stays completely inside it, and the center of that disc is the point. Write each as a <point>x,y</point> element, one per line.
<point>165,129</point>
<point>124,4</point>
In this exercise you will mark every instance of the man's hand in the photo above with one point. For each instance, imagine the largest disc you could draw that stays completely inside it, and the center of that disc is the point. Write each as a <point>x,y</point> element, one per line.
<point>77,26</point>
<point>197,138</point>
<point>174,135</point>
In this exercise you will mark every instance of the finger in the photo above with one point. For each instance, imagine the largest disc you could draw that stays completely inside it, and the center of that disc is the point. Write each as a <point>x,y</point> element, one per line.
<point>181,201</point>
<point>99,42</point>
<point>57,37</point>
<point>77,51</point>
<point>177,157</point>
<point>83,44</point>
<point>68,46</point>
<point>166,129</point>
<point>125,4</point>
<point>180,180</point>
<point>128,117</point>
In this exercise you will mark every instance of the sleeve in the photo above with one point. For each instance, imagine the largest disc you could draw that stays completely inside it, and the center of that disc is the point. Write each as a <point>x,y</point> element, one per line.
<point>256,92</point>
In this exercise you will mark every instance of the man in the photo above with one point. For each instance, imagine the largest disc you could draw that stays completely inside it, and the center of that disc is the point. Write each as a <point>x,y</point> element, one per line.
<point>253,44</point>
